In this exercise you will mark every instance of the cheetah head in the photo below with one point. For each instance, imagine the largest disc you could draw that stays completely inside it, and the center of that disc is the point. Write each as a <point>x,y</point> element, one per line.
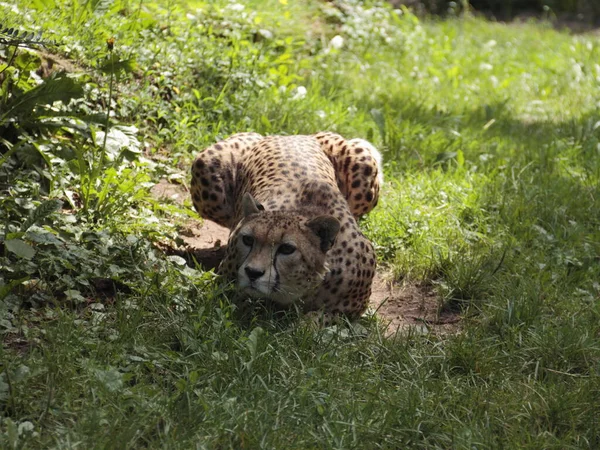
<point>281,255</point>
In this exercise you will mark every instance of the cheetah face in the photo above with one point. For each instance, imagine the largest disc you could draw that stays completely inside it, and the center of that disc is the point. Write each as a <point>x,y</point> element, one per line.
<point>281,255</point>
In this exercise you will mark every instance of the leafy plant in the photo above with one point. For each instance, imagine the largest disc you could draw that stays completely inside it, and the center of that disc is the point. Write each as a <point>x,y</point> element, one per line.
<point>13,37</point>
<point>26,104</point>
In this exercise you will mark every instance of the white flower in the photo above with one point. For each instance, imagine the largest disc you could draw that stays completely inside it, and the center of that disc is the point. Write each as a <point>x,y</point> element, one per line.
<point>236,7</point>
<point>13,8</point>
<point>300,93</point>
<point>485,66</point>
<point>577,71</point>
<point>265,33</point>
<point>336,42</point>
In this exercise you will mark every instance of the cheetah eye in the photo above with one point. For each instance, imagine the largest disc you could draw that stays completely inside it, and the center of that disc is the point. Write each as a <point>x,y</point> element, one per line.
<point>286,249</point>
<point>248,240</point>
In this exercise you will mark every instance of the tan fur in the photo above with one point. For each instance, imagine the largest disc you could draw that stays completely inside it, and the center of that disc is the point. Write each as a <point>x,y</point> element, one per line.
<point>300,193</point>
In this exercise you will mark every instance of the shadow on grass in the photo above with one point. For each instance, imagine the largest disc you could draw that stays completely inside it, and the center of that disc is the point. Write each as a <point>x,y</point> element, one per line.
<point>539,189</point>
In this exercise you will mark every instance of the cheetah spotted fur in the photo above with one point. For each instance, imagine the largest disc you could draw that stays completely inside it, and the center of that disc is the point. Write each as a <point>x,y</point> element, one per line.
<point>291,203</point>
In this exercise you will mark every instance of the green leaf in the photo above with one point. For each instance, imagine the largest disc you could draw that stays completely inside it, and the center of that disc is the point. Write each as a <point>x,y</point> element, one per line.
<point>6,289</point>
<point>379,120</point>
<point>21,373</point>
<point>111,379</point>
<point>20,248</point>
<point>119,137</point>
<point>11,149</point>
<point>4,387</point>
<point>122,65</point>
<point>11,433</point>
<point>444,157</point>
<point>41,236</point>
<point>58,87</point>
<point>460,158</point>
<point>27,60</point>
<point>265,121</point>
<point>25,427</point>
<point>177,260</point>
<point>41,212</point>
<point>74,295</point>
<point>44,4</point>
<point>252,342</point>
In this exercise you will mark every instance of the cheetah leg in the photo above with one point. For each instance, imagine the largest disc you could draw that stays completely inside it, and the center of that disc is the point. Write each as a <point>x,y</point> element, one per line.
<point>214,171</point>
<point>358,170</point>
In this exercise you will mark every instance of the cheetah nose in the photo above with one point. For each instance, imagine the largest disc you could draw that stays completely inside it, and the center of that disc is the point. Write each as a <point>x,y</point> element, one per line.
<point>254,274</point>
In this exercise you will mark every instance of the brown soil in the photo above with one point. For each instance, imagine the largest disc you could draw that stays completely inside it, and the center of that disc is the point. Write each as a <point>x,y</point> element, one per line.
<point>410,305</point>
<point>399,306</point>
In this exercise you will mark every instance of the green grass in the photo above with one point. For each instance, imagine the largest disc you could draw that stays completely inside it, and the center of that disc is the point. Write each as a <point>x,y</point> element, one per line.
<point>491,138</point>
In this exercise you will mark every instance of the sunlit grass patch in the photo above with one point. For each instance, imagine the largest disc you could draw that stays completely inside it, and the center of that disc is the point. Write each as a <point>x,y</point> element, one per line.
<point>490,140</point>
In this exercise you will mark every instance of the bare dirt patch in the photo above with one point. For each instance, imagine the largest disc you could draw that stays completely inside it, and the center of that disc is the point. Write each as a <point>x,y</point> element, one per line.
<point>55,63</point>
<point>404,305</point>
<point>399,306</point>
<point>164,190</point>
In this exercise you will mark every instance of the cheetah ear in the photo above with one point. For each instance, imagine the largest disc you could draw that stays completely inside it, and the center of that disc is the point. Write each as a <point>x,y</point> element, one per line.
<point>326,228</point>
<point>250,206</point>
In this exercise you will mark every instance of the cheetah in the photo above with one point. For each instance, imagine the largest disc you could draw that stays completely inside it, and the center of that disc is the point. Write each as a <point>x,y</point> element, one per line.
<point>291,204</point>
